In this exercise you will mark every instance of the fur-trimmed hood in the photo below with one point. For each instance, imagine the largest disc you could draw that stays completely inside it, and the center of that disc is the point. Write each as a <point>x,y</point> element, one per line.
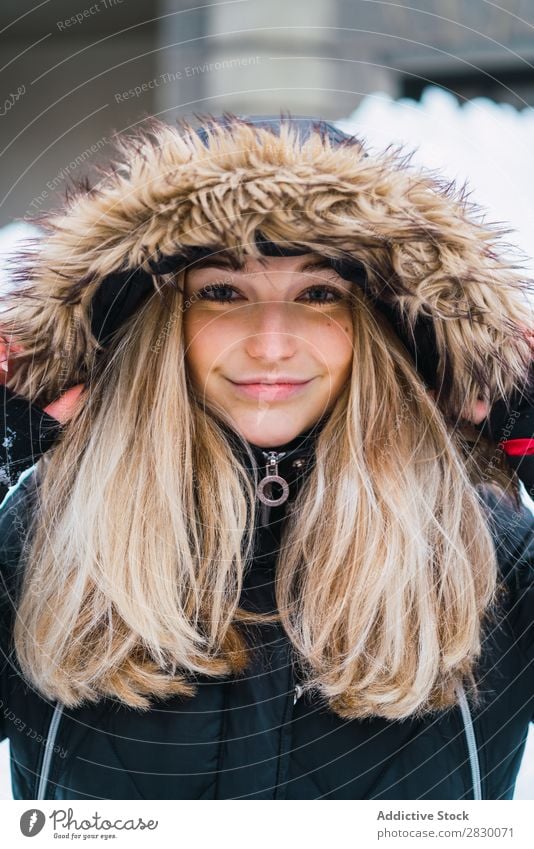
<point>430,261</point>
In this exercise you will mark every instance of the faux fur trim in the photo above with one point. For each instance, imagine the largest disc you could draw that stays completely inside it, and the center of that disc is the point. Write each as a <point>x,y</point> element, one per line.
<point>426,251</point>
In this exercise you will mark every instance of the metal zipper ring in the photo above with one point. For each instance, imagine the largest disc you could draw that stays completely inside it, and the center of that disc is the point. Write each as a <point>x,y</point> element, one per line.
<point>266,499</point>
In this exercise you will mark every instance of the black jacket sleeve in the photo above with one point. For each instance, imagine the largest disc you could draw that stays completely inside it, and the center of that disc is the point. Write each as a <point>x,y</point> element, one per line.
<point>515,421</point>
<point>513,534</point>
<point>26,432</point>
<point>517,424</point>
<point>15,514</point>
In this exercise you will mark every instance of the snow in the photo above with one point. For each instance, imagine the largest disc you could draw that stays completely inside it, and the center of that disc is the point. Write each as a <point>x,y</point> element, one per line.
<point>484,144</point>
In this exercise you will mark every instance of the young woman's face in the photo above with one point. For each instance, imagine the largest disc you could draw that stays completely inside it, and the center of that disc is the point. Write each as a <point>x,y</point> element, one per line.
<point>278,320</point>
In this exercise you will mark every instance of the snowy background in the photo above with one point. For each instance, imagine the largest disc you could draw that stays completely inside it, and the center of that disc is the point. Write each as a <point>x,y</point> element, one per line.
<point>488,146</point>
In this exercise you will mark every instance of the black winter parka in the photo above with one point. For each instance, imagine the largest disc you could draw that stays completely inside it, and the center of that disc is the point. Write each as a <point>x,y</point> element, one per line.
<point>256,736</point>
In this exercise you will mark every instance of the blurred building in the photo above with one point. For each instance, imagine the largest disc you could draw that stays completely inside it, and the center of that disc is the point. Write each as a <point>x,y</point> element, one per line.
<point>75,74</point>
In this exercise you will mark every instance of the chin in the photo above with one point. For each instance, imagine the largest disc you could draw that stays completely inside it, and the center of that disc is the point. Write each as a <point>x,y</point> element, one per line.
<point>261,442</point>
<point>270,430</point>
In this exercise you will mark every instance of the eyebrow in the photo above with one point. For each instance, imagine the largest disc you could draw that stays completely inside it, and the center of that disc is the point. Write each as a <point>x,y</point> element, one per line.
<point>234,264</point>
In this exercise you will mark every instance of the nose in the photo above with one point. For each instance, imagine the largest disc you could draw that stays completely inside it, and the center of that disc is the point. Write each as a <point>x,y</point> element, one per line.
<point>272,333</point>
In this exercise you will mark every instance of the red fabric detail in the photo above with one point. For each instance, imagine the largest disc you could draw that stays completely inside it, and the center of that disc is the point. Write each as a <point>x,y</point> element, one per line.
<point>517,447</point>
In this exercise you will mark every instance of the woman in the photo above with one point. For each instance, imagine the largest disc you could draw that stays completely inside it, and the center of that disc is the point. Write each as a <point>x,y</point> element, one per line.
<point>231,590</point>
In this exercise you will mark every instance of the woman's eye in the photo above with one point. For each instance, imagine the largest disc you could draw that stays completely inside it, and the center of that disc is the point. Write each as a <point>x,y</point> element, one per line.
<point>327,290</point>
<point>216,289</point>
<point>222,293</point>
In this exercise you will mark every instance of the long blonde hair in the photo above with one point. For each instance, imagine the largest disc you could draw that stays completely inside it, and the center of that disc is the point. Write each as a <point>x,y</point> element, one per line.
<point>142,529</point>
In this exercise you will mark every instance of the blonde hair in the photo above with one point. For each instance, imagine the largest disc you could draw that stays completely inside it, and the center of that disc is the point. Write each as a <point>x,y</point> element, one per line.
<point>142,528</point>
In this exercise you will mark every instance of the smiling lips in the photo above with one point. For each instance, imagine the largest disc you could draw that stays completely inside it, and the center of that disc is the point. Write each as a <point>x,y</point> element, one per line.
<point>271,391</point>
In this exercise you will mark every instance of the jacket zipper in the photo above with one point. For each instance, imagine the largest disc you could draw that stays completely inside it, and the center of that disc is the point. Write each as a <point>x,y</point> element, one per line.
<point>471,743</point>
<point>265,513</point>
<point>271,476</point>
<point>273,458</point>
<point>49,748</point>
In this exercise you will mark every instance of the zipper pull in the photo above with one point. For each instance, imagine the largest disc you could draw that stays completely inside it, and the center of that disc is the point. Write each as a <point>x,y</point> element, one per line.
<point>271,477</point>
<point>297,693</point>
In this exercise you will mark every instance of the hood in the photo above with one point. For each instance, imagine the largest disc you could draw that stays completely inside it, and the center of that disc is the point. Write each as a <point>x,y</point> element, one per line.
<point>413,242</point>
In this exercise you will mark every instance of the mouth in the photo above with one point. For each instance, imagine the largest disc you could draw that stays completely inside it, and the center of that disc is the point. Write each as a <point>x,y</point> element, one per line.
<point>271,391</point>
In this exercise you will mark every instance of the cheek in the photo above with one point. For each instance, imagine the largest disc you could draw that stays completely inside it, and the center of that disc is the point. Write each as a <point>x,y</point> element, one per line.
<point>196,341</point>
<point>337,343</point>
<point>205,344</point>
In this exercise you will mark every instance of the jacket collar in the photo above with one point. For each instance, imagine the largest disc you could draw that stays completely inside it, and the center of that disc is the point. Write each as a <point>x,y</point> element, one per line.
<point>300,448</point>
<point>298,455</point>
